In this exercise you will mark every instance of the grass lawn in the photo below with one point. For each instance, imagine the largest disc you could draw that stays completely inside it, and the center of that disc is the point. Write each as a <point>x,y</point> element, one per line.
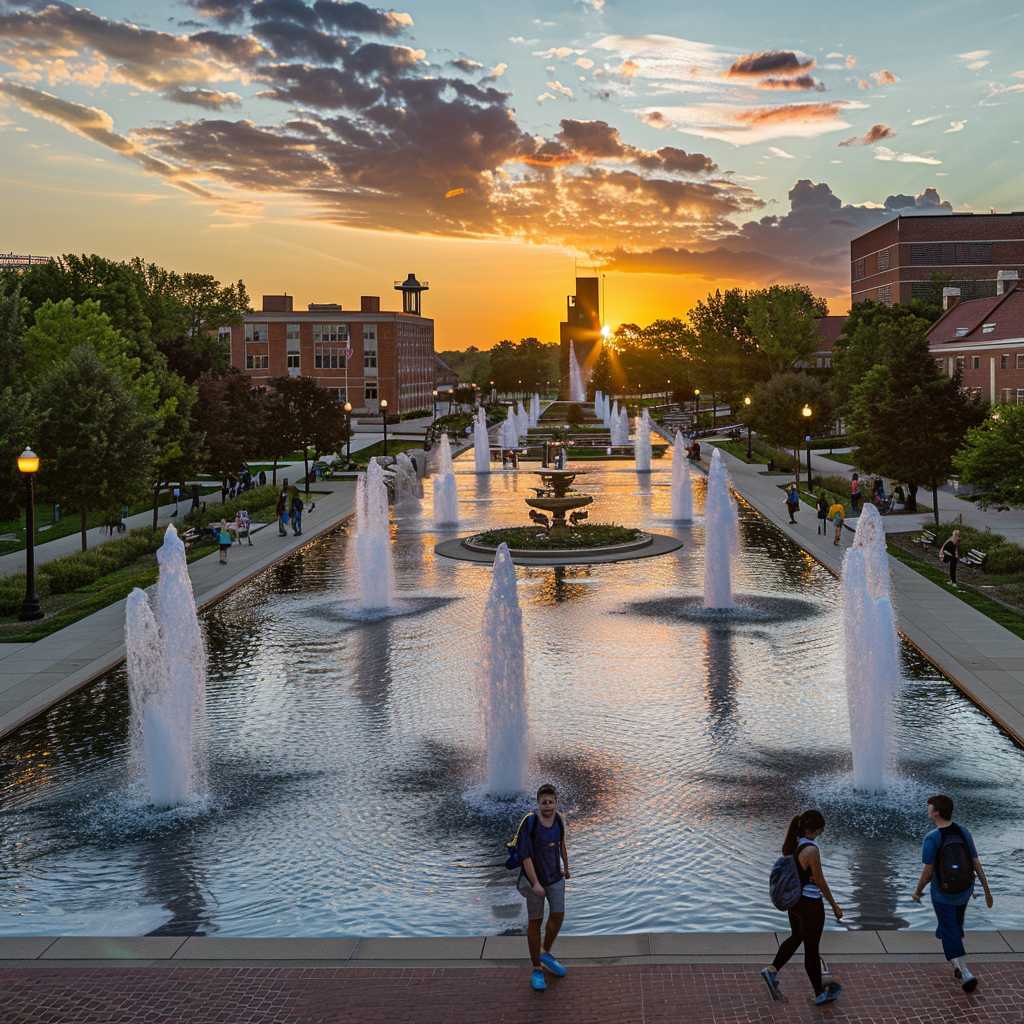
<point>70,523</point>
<point>362,458</point>
<point>1007,617</point>
<point>783,462</point>
<point>849,458</point>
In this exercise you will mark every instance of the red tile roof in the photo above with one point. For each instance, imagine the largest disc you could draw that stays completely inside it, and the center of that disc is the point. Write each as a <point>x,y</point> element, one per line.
<point>829,329</point>
<point>1005,311</point>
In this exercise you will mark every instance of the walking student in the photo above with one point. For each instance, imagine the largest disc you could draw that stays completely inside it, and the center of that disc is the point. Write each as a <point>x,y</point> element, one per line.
<point>792,502</point>
<point>544,868</point>
<point>951,864</point>
<point>807,916</point>
<point>837,513</point>
<point>297,507</point>
<point>822,507</point>
<point>282,514</point>
<point>950,552</point>
<point>855,495</point>
<point>223,541</point>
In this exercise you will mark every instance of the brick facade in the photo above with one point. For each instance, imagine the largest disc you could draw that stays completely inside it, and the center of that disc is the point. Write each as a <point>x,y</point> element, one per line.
<point>895,261</point>
<point>391,354</point>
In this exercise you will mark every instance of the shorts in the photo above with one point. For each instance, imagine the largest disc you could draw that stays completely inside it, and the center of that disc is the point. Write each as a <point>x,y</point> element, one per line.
<point>555,894</point>
<point>225,547</point>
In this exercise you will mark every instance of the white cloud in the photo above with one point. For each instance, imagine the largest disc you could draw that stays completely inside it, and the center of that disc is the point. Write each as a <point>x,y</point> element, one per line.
<point>556,53</point>
<point>891,156</point>
<point>556,86</point>
<point>975,60</point>
<point>584,62</point>
<point>545,96</point>
<point>924,120</point>
<point>780,153</point>
<point>498,70</point>
<point>954,127</point>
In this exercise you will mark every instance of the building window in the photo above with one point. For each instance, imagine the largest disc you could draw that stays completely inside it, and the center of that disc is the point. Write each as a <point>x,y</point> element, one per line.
<point>256,360</point>
<point>330,332</point>
<point>1020,360</point>
<point>883,260</point>
<point>1020,396</point>
<point>885,294</point>
<point>338,394</point>
<point>987,328</point>
<point>1004,361</point>
<point>293,337</point>
<point>962,332</point>
<point>975,362</point>
<point>370,333</point>
<point>960,363</point>
<point>859,268</point>
<point>369,358</point>
<point>370,391</point>
<point>329,357</point>
<point>293,360</point>
<point>257,332</point>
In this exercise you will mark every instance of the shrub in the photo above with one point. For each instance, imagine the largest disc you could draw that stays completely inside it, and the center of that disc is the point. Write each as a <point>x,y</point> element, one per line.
<point>1005,559</point>
<point>12,593</point>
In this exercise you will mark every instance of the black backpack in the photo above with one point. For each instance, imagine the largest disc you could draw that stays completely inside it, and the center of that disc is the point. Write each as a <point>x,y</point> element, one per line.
<point>954,864</point>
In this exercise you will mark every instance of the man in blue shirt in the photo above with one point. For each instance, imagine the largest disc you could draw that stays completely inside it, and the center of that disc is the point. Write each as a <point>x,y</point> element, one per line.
<point>545,860</point>
<point>951,864</point>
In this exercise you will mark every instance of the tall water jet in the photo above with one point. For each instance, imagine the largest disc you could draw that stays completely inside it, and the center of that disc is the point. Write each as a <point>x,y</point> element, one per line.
<point>408,489</point>
<point>167,682</point>
<point>872,652</point>
<point>534,409</point>
<point>642,449</point>
<point>620,425</point>
<point>375,571</point>
<point>577,391</point>
<point>721,525</point>
<point>481,443</point>
<point>446,495</point>
<point>512,429</point>
<point>682,498</point>
<point>503,669</point>
<point>598,399</point>
<point>522,420</point>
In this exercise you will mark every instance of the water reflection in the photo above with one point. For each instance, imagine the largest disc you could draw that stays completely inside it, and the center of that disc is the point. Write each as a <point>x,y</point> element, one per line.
<point>177,883</point>
<point>875,882</point>
<point>721,684</point>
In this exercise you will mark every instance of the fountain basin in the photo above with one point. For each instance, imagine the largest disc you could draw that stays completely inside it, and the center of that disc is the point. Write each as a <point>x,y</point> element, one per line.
<point>646,545</point>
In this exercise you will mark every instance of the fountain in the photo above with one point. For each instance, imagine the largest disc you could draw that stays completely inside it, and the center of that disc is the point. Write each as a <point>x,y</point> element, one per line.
<point>682,498</point>
<point>408,488</point>
<point>619,425</point>
<point>720,537</point>
<point>577,392</point>
<point>511,435</point>
<point>481,443</point>
<point>446,495</point>
<point>556,498</point>
<point>504,682</point>
<point>374,566</point>
<point>534,409</point>
<point>522,420</point>
<point>166,662</point>
<point>872,655</point>
<point>642,449</point>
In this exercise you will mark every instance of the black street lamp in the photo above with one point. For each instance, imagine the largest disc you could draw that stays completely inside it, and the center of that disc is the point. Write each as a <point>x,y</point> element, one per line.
<point>348,432</point>
<point>434,417</point>
<point>747,402</point>
<point>696,408</point>
<point>28,466</point>
<point>384,416</point>
<point>807,412</point>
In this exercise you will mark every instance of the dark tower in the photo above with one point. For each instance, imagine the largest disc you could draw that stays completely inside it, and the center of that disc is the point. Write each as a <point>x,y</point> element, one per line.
<point>411,290</point>
<point>582,326</point>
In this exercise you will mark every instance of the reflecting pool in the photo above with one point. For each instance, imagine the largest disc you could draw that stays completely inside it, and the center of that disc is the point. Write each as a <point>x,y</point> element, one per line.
<point>347,760</point>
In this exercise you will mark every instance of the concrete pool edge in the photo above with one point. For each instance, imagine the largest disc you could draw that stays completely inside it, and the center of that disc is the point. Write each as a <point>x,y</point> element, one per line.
<point>901,946</point>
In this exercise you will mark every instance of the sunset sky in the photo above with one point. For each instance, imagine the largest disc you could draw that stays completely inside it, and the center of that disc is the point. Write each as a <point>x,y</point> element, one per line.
<point>327,148</point>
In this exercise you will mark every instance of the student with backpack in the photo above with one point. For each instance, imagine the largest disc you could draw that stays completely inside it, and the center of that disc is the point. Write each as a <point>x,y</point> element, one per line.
<point>951,864</point>
<point>538,849</point>
<point>798,886</point>
<point>822,508</point>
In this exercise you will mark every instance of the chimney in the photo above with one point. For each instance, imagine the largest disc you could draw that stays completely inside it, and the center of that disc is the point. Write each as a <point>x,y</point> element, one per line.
<point>277,303</point>
<point>1006,281</point>
<point>950,297</point>
<point>369,303</point>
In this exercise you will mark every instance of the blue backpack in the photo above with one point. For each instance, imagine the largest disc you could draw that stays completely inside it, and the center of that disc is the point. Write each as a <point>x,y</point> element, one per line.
<point>784,883</point>
<point>514,861</point>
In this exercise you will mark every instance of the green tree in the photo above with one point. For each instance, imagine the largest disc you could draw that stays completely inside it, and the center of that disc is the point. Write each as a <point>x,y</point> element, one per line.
<point>229,415</point>
<point>11,329</point>
<point>723,353</point>
<point>17,432</point>
<point>306,416</point>
<point>992,457</point>
<point>781,320</point>
<point>95,436</point>
<point>907,419</point>
<point>279,432</point>
<point>776,411</point>
<point>177,447</point>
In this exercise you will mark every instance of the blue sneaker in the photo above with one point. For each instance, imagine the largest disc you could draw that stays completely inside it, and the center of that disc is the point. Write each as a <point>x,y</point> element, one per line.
<point>771,979</point>
<point>552,965</point>
<point>537,982</point>
<point>829,995</point>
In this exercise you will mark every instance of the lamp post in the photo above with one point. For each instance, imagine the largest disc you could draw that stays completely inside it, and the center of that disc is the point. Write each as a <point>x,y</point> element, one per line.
<point>384,417</point>
<point>494,396</point>
<point>434,416</point>
<point>747,401</point>
<point>807,412</point>
<point>348,432</point>
<point>696,408</point>
<point>28,466</point>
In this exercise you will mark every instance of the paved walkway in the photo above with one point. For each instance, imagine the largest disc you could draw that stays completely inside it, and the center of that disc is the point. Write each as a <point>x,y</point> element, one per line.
<point>663,994</point>
<point>34,676</point>
<point>983,659</point>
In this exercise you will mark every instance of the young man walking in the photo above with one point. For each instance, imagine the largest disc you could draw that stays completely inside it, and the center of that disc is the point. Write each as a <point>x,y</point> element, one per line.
<point>540,844</point>
<point>951,864</point>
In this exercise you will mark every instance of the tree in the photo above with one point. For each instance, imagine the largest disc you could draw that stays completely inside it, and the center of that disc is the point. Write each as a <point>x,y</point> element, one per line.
<point>780,319</point>
<point>229,414</point>
<point>776,411</point>
<point>907,419</point>
<point>95,436</point>
<point>279,434</point>
<point>723,353</point>
<point>872,332</point>
<point>992,457</point>
<point>177,447</point>
<point>305,415</point>
<point>17,431</point>
<point>11,329</point>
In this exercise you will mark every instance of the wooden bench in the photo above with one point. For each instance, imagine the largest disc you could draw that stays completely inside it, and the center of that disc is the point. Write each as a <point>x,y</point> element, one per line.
<point>926,540</point>
<point>189,537</point>
<point>975,558</point>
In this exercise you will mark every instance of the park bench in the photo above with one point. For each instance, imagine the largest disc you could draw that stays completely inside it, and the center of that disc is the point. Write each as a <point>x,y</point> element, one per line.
<point>975,558</point>
<point>189,537</point>
<point>926,540</point>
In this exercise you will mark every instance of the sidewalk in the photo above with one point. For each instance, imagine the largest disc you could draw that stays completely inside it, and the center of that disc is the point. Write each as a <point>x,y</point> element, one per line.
<point>982,659</point>
<point>34,676</point>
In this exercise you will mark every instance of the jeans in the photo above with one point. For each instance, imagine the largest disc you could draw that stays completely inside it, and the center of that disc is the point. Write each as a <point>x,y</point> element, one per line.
<point>952,569</point>
<point>297,523</point>
<point>951,928</point>
<point>807,921</point>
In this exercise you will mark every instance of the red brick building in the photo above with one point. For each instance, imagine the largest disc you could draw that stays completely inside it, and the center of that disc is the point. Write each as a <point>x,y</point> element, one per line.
<point>829,329</point>
<point>361,356</point>
<point>984,339</point>
<point>582,326</point>
<point>896,261</point>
